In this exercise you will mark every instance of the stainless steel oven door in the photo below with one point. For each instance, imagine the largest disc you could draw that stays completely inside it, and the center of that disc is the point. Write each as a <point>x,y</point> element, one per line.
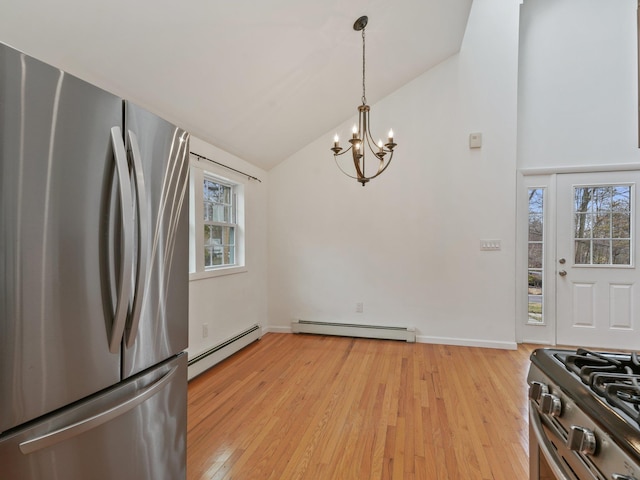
<point>549,457</point>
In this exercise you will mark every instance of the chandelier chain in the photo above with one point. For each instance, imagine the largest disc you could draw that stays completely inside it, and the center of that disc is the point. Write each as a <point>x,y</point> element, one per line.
<point>364,96</point>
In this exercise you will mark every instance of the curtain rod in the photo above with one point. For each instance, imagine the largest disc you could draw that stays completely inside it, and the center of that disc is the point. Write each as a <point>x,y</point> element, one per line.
<point>202,157</point>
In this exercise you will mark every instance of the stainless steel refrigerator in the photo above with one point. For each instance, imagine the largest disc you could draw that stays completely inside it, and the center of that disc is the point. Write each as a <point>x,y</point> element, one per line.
<point>93,281</point>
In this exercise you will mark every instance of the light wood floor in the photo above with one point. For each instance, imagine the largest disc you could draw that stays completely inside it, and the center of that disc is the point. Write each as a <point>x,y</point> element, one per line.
<point>313,407</point>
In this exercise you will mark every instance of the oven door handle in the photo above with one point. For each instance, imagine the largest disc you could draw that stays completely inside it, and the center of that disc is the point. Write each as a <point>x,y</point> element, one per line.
<point>545,445</point>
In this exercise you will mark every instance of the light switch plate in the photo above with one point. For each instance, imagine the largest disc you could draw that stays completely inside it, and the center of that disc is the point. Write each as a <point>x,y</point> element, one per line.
<point>490,245</point>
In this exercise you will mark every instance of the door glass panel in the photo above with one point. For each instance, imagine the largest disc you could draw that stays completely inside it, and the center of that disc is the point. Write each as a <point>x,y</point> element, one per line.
<point>602,225</point>
<point>621,252</point>
<point>620,225</point>
<point>583,252</point>
<point>535,255</point>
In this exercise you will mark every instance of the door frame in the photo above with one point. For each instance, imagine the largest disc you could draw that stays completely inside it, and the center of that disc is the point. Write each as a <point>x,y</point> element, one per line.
<point>545,333</point>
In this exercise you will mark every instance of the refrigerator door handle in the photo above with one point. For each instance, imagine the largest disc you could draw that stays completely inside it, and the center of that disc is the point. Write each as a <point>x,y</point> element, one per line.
<point>75,429</point>
<point>126,207</point>
<point>143,241</point>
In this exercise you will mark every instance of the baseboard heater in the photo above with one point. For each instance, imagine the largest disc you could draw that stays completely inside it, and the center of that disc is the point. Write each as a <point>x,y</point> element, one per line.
<point>354,330</point>
<point>211,357</point>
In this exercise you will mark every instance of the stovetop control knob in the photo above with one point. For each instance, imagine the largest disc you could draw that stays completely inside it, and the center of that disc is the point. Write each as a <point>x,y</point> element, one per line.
<point>536,390</point>
<point>550,404</point>
<point>581,440</point>
<point>617,476</point>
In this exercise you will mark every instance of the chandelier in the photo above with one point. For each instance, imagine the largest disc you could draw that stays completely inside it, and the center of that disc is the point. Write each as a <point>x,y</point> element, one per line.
<point>361,139</point>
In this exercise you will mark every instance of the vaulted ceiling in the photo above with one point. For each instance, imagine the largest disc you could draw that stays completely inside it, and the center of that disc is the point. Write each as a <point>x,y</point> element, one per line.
<point>260,79</point>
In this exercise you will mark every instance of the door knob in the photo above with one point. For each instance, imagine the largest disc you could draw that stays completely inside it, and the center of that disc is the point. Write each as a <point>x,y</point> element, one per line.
<point>562,273</point>
<point>561,261</point>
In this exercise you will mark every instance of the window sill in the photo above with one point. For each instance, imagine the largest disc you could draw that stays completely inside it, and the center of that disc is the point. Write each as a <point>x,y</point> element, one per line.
<point>217,272</point>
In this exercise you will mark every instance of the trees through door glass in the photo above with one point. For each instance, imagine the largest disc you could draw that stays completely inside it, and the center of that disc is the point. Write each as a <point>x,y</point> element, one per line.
<point>602,225</point>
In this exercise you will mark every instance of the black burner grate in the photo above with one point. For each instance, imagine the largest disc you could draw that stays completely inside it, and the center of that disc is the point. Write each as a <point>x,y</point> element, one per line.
<point>614,377</point>
<point>586,363</point>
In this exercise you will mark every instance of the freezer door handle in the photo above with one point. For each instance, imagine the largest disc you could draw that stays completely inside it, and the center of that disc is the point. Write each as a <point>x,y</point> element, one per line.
<point>126,207</point>
<point>75,429</point>
<point>143,241</point>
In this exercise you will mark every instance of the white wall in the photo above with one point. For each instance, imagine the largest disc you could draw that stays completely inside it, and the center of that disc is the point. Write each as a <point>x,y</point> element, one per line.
<point>230,304</point>
<point>408,244</point>
<point>578,91</point>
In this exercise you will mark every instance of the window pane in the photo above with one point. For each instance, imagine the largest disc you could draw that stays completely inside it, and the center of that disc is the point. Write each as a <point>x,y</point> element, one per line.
<point>208,256</point>
<point>583,252</point>
<point>208,212</point>
<point>535,201</point>
<point>535,227</point>
<point>216,212</point>
<point>602,225</point>
<point>620,198</point>
<point>601,201</point>
<point>621,252</point>
<point>583,225</point>
<point>216,255</point>
<point>601,250</point>
<point>620,225</point>
<point>582,199</point>
<point>229,255</point>
<point>216,192</point>
<point>219,244</point>
<point>535,296</point>
<point>210,191</point>
<point>535,255</point>
<point>216,235</point>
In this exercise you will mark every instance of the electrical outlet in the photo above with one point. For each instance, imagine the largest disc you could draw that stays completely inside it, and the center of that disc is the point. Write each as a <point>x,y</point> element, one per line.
<point>205,330</point>
<point>359,307</point>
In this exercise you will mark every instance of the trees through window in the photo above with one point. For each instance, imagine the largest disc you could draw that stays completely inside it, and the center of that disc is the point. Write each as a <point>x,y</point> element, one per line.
<point>219,222</point>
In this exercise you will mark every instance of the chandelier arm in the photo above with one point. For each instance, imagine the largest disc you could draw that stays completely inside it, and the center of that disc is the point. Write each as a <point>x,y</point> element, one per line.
<point>335,157</point>
<point>370,146</point>
<point>357,156</point>
<point>343,152</point>
<point>380,170</point>
<point>383,166</point>
<point>370,140</point>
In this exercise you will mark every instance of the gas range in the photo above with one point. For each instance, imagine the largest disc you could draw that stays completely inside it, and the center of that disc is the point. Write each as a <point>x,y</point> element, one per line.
<point>584,415</point>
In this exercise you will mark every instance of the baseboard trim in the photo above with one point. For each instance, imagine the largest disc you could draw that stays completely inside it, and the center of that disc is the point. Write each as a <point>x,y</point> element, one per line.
<point>382,332</point>
<point>466,342</point>
<point>204,361</point>
<point>277,329</point>
<point>537,342</point>
<point>462,342</point>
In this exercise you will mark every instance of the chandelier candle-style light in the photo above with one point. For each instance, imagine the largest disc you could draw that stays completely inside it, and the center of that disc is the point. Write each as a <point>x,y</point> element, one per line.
<point>361,139</point>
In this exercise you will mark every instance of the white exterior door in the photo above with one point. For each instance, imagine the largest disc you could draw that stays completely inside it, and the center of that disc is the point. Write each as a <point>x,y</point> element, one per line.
<point>597,278</point>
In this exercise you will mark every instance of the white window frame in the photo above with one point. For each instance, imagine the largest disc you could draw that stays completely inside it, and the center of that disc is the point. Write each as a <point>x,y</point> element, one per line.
<point>197,270</point>
<point>543,245</point>
<point>536,332</point>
